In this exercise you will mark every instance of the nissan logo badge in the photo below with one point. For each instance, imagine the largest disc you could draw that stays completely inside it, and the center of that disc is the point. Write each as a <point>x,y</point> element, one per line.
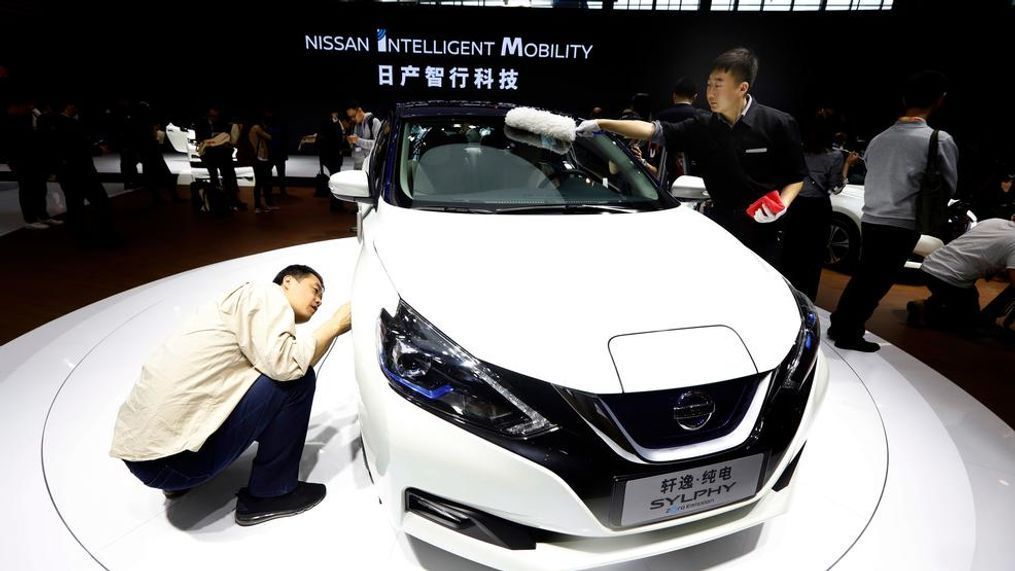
<point>693,410</point>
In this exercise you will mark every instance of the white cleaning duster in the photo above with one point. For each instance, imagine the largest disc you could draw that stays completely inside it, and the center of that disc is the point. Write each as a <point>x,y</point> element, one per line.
<point>540,129</point>
<point>541,123</point>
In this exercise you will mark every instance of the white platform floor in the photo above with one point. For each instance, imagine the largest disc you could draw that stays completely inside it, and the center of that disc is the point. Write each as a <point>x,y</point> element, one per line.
<point>903,470</point>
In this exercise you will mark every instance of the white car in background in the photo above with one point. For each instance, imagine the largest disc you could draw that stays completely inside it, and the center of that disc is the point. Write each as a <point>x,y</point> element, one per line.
<point>185,141</point>
<point>844,237</point>
<point>549,378</point>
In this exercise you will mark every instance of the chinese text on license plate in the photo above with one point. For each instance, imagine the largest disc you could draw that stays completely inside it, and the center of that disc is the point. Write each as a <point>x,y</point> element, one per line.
<point>683,493</point>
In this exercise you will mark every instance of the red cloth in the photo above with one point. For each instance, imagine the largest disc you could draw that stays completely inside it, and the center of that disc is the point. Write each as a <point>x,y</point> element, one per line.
<point>772,200</point>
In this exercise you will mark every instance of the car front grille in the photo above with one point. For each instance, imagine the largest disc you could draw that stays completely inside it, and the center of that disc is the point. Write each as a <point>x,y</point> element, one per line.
<point>646,423</point>
<point>661,419</point>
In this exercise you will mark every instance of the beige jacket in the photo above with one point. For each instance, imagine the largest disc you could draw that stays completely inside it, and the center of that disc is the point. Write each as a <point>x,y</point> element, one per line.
<point>194,380</point>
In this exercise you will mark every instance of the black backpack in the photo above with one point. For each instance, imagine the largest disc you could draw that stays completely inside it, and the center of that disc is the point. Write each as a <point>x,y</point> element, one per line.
<point>932,200</point>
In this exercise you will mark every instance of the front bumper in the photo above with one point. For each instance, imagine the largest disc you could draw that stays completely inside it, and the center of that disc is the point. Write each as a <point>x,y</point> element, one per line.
<point>561,551</point>
<point>410,448</point>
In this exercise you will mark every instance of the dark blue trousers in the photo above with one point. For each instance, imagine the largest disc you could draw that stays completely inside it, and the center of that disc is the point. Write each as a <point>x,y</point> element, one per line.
<point>275,414</point>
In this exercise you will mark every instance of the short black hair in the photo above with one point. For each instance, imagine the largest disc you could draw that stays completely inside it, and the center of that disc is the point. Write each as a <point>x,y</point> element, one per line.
<point>738,62</point>
<point>641,103</point>
<point>685,87</point>
<point>352,104</point>
<point>819,131</point>
<point>923,89</point>
<point>299,272</point>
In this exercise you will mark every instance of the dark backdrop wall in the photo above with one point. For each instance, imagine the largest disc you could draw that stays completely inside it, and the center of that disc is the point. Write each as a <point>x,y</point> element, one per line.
<point>182,57</point>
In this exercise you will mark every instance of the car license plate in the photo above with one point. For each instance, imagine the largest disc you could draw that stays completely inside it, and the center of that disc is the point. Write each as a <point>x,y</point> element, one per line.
<point>679,494</point>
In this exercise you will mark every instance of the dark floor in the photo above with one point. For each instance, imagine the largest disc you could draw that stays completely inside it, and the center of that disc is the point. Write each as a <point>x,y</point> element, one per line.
<point>49,276</point>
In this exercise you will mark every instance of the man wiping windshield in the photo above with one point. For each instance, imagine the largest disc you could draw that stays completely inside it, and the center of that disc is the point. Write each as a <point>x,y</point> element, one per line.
<point>744,149</point>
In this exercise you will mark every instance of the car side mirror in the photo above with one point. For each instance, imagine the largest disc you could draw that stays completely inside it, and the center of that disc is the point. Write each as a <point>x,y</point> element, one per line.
<point>351,186</point>
<point>690,188</point>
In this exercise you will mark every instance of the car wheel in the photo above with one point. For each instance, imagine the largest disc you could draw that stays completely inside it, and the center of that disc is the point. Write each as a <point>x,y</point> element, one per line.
<point>843,244</point>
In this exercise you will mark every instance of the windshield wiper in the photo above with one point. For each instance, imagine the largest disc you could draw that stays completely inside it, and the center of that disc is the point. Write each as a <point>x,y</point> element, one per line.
<point>461,209</point>
<point>565,208</point>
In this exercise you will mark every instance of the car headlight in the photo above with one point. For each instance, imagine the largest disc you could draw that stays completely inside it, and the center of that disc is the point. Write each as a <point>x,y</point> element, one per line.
<point>432,371</point>
<point>797,366</point>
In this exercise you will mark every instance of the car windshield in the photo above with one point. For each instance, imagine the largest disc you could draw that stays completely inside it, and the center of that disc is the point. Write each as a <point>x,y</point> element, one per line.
<point>477,164</point>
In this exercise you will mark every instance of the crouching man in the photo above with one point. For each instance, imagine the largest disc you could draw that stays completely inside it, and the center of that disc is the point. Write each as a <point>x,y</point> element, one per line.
<point>952,270</point>
<point>235,373</point>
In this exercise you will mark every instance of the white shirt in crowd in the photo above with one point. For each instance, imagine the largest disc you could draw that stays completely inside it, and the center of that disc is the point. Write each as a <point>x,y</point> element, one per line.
<point>988,248</point>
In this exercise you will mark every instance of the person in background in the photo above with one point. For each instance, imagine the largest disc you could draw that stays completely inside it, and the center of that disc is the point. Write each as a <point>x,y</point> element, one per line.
<point>155,173</point>
<point>365,128</point>
<point>278,147</point>
<point>332,145</point>
<point>71,149</point>
<point>998,201</point>
<point>260,142</point>
<point>640,109</point>
<point>684,93</point>
<point>952,270</point>
<point>25,152</point>
<point>896,160</point>
<point>124,127</point>
<point>215,146</point>
<point>807,225</point>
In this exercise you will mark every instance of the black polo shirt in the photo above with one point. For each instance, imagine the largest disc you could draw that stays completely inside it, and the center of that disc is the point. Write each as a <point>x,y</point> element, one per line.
<point>760,153</point>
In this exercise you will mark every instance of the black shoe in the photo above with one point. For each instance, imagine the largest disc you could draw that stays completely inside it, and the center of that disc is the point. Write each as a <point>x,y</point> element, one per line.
<point>173,494</point>
<point>860,344</point>
<point>251,510</point>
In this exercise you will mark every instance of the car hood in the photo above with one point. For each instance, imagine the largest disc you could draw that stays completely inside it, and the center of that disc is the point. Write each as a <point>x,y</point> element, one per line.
<point>598,303</point>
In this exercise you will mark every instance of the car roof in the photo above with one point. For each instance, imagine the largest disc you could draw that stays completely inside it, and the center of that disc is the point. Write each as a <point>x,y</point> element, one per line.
<point>442,108</point>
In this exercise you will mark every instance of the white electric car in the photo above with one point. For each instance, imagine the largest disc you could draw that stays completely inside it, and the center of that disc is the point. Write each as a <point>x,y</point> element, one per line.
<point>555,370</point>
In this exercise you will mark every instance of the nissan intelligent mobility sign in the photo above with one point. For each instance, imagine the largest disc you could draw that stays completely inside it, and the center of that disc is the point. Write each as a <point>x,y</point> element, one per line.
<point>443,65</point>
